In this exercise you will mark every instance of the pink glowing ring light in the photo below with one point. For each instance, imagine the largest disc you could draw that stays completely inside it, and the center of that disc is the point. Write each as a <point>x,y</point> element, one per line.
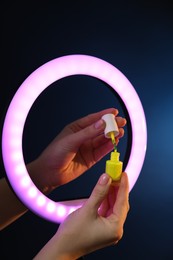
<point>19,108</point>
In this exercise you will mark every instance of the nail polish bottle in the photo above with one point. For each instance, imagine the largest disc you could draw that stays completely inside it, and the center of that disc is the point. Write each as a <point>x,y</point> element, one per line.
<point>114,165</point>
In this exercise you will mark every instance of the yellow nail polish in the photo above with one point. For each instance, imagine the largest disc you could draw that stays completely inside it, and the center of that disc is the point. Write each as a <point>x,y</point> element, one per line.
<point>114,166</point>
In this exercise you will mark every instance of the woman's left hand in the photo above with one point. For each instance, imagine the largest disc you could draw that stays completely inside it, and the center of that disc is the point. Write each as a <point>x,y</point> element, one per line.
<point>78,147</point>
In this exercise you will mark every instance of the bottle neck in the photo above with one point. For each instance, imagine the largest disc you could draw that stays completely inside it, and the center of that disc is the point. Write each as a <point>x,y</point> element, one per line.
<point>115,156</point>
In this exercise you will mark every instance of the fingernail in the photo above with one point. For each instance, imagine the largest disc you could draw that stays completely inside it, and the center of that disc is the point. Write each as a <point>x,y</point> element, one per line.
<point>99,124</point>
<point>104,179</point>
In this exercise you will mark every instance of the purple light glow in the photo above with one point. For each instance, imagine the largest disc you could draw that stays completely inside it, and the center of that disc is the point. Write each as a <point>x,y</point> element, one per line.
<point>19,108</point>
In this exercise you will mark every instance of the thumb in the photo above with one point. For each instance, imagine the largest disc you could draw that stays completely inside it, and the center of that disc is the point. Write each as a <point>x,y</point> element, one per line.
<point>88,132</point>
<point>99,192</point>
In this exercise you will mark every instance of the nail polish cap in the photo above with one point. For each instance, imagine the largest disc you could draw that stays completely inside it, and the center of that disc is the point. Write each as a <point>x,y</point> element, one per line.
<point>111,125</point>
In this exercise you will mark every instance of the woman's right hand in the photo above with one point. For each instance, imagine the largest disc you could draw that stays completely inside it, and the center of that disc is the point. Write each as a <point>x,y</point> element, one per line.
<point>97,224</point>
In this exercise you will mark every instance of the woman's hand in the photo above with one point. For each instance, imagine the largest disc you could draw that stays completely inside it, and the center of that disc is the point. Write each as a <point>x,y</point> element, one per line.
<point>77,148</point>
<point>97,224</point>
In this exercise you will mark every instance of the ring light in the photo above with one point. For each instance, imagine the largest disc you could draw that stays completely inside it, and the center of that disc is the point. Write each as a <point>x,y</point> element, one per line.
<point>19,108</point>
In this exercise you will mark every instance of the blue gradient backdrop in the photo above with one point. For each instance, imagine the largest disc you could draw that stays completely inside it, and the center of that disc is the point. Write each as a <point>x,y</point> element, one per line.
<point>137,38</point>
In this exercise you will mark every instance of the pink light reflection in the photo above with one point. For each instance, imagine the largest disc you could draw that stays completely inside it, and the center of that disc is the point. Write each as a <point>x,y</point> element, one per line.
<point>18,110</point>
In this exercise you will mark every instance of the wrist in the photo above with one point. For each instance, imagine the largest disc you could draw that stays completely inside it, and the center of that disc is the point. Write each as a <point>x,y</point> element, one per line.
<point>56,249</point>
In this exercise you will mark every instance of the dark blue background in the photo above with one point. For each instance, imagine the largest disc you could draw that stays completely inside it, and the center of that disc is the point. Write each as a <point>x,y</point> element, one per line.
<point>137,38</point>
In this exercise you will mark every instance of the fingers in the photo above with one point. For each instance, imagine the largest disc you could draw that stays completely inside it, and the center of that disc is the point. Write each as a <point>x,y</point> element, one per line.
<point>92,118</point>
<point>99,140</point>
<point>120,121</point>
<point>91,126</point>
<point>102,150</point>
<point>88,132</point>
<point>121,134</point>
<point>102,146</point>
<point>102,211</point>
<point>121,206</point>
<point>88,120</point>
<point>98,127</point>
<point>99,193</point>
<point>76,133</point>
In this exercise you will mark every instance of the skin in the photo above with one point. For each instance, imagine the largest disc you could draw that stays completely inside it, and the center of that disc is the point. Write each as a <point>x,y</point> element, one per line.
<point>76,149</point>
<point>89,228</point>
